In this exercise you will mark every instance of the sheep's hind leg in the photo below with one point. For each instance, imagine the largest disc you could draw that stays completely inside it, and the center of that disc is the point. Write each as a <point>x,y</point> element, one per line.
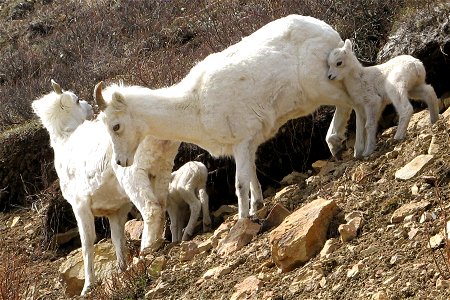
<point>256,199</point>
<point>404,110</point>
<point>426,93</point>
<point>244,154</point>
<point>206,219</point>
<point>117,224</point>
<point>195,208</point>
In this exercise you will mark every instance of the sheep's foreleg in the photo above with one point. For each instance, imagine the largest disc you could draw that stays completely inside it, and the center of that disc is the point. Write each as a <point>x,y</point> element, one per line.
<point>336,132</point>
<point>373,110</point>
<point>360,132</point>
<point>175,216</point>
<point>85,221</point>
<point>244,154</point>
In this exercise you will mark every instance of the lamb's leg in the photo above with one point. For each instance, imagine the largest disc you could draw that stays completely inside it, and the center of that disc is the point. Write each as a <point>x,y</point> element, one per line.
<point>204,200</point>
<point>117,224</point>
<point>244,154</point>
<point>426,93</point>
<point>336,132</point>
<point>372,111</point>
<point>194,207</point>
<point>361,135</point>
<point>85,221</point>
<point>399,98</point>
<point>174,215</point>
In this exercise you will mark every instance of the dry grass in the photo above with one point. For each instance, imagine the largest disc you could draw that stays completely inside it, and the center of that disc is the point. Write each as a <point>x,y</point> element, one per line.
<point>14,280</point>
<point>153,43</point>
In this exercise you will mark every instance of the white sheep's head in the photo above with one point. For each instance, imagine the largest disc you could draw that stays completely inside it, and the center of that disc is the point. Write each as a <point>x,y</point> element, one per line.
<point>339,61</point>
<point>122,129</point>
<point>61,112</point>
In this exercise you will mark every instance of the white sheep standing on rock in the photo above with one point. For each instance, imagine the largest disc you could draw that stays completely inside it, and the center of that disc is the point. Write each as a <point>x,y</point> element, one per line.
<point>95,185</point>
<point>372,88</point>
<point>188,187</point>
<point>234,100</point>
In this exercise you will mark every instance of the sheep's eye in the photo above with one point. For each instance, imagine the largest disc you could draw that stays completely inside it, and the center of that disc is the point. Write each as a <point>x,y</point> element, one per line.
<point>339,63</point>
<point>116,127</point>
<point>78,100</point>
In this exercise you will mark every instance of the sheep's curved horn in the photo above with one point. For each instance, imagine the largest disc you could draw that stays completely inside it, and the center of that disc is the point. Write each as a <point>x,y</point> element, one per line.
<point>56,87</point>
<point>98,96</point>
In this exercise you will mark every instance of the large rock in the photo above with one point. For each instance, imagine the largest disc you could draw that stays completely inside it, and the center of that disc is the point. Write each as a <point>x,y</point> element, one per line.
<point>240,235</point>
<point>72,271</point>
<point>246,288</point>
<point>412,168</point>
<point>409,209</point>
<point>302,234</point>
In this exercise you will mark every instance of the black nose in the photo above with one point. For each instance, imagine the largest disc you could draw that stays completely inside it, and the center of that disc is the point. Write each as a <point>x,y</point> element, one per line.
<point>329,76</point>
<point>118,162</point>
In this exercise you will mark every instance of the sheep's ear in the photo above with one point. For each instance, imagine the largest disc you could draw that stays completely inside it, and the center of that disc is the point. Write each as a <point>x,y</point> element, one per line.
<point>56,87</point>
<point>348,45</point>
<point>118,101</point>
<point>341,44</point>
<point>98,96</point>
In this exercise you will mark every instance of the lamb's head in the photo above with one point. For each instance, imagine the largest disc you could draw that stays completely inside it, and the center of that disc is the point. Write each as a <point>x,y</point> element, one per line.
<point>340,61</point>
<point>61,112</point>
<point>122,128</point>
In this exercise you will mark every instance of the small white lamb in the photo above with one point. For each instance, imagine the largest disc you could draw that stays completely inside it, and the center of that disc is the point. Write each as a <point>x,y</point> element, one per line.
<point>188,186</point>
<point>372,88</point>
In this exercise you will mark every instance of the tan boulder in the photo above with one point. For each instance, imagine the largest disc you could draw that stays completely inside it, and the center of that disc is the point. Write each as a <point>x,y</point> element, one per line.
<point>276,216</point>
<point>302,234</point>
<point>246,288</point>
<point>412,168</point>
<point>72,272</point>
<point>239,235</point>
<point>408,209</point>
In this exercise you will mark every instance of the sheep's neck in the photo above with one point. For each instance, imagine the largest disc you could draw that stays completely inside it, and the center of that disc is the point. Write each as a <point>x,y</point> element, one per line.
<point>354,78</point>
<point>169,115</point>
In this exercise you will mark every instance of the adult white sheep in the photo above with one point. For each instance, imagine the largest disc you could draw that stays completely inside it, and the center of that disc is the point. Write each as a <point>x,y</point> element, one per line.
<point>372,88</point>
<point>94,185</point>
<point>234,100</point>
<point>188,187</point>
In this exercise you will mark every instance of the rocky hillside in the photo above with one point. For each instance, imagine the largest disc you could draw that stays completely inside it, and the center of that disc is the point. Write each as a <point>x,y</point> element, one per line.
<point>381,220</point>
<point>348,229</point>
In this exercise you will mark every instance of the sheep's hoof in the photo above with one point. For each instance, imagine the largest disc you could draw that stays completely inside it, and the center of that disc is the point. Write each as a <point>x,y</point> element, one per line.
<point>152,248</point>
<point>207,227</point>
<point>399,137</point>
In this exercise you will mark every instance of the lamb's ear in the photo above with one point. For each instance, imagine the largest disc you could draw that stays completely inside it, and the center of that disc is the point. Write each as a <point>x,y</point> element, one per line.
<point>118,101</point>
<point>56,87</point>
<point>348,45</point>
<point>98,96</point>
